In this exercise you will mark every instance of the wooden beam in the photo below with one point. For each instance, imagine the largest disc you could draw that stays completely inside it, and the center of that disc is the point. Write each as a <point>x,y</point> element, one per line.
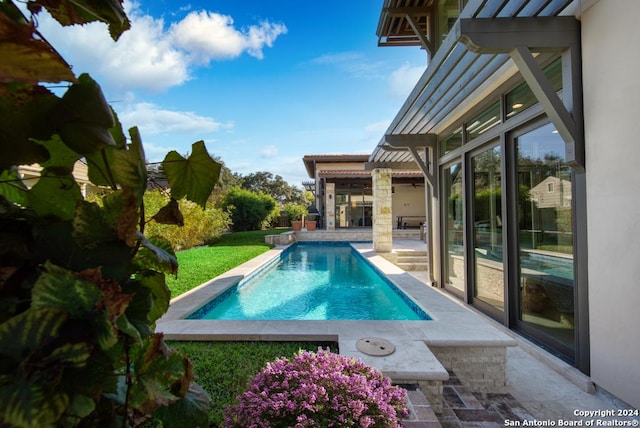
<point>519,37</point>
<point>408,10</point>
<point>500,35</point>
<point>405,141</point>
<point>403,166</point>
<point>426,43</point>
<point>550,101</point>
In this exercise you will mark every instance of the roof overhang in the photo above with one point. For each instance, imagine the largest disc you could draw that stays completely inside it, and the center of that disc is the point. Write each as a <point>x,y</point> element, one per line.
<point>490,43</point>
<point>310,161</point>
<point>407,23</point>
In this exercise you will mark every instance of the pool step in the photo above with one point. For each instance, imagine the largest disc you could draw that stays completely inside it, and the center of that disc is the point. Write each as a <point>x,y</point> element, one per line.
<point>412,362</point>
<point>411,260</point>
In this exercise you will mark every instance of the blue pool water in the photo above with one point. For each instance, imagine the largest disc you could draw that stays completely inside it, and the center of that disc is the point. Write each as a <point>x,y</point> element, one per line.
<point>314,281</point>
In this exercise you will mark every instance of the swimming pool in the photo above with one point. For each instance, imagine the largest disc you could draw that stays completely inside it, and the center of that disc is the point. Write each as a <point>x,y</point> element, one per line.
<point>314,281</point>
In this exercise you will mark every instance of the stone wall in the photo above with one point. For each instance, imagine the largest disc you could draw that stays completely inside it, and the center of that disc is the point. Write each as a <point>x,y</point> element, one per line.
<point>479,368</point>
<point>382,210</point>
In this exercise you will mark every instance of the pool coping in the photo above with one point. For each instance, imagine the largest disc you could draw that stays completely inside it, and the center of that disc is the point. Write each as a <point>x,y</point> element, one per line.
<point>452,323</point>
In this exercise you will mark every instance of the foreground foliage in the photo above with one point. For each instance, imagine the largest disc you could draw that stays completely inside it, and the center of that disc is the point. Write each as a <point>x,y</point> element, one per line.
<point>81,286</point>
<point>225,368</point>
<point>320,389</point>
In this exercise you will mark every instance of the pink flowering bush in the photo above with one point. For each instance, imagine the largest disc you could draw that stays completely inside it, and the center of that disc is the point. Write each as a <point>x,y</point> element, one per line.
<point>320,389</point>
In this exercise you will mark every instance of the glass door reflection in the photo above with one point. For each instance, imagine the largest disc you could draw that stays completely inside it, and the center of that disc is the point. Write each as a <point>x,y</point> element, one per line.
<point>454,231</point>
<point>487,228</point>
<point>545,223</point>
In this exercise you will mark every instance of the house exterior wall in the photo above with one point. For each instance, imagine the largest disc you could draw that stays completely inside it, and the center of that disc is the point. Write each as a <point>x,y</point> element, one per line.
<point>610,37</point>
<point>324,166</point>
<point>407,201</point>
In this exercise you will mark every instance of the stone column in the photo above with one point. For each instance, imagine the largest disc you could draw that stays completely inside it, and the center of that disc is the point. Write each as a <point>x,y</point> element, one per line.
<point>382,215</point>
<point>330,206</point>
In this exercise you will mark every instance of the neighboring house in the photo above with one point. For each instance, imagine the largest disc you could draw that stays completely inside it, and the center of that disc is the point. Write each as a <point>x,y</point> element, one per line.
<point>343,190</point>
<point>552,192</point>
<point>31,174</point>
<point>519,96</point>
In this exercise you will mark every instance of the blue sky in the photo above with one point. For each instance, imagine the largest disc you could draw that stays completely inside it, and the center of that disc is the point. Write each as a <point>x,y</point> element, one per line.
<point>261,82</point>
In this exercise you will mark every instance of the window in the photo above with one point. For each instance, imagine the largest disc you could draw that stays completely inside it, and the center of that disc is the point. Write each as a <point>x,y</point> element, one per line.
<point>483,122</point>
<point>451,142</point>
<point>522,98</point>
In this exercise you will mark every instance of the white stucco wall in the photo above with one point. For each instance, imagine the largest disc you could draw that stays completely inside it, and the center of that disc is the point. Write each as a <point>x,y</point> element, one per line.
<point>611,60</point>
<point>407,201</point>
<point>324,166</point>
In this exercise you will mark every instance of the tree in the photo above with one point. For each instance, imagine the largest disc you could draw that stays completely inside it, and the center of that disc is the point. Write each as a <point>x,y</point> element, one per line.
<point>81,286</point>
<point>228,180</point>
<point>275,186</point>
<point>249,210</point>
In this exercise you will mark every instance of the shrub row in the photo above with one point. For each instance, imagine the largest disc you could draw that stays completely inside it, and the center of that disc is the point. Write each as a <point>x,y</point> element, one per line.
<point>201,226</point>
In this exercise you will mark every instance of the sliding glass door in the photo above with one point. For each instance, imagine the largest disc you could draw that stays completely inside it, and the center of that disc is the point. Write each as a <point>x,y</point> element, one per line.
<point>454,265</point>
<point>545,237</point>
<point>486,211</point>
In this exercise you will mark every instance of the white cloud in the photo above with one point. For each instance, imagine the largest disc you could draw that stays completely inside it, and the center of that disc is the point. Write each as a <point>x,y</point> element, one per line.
<point>144,57</point>
<point>152,120</point>
<point>403,79</point>
<point>377,127</point>
<point>150,56</point>
<point>354,63</point>
<point>269,152</point>
<point>210,36</point>
<point>154,152</point>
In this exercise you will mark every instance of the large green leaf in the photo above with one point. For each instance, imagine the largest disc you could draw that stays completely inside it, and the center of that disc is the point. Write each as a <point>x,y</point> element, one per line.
<point>25,58</point>
<point>105,332</point>
<point>99,163</point>
<point>99,167</point>
<point>170,214</point>
<point>157,254</point>
<point>73,355</point>
<point>190,410</point>
<point>89,227</point>
<point>30,330</point>
<point>54,240</point>
<point>56,191</point>
<point>113,204</point>
<point>80,407</point>
<point>128,166</point>
<point>55,195</point>
<point>26,404</point>
<point>150,301</point>
<point>12,187</point>
<point>61,158</point>
<point>59,288</point>
<point>160,292</point>
<point>84,118</point>
<point>70,12</point>
<point>127,328</point>
<point>157,369</point>
<point>194,177</point>
<point>23,116</point>
<point>138,310</point>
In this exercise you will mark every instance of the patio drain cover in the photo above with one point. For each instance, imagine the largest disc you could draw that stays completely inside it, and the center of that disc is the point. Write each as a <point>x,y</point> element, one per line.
<point>375,346</point>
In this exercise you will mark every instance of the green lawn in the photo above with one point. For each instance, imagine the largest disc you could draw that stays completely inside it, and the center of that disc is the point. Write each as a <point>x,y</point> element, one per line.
<point>198,265</point>
<point>224,368</point>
